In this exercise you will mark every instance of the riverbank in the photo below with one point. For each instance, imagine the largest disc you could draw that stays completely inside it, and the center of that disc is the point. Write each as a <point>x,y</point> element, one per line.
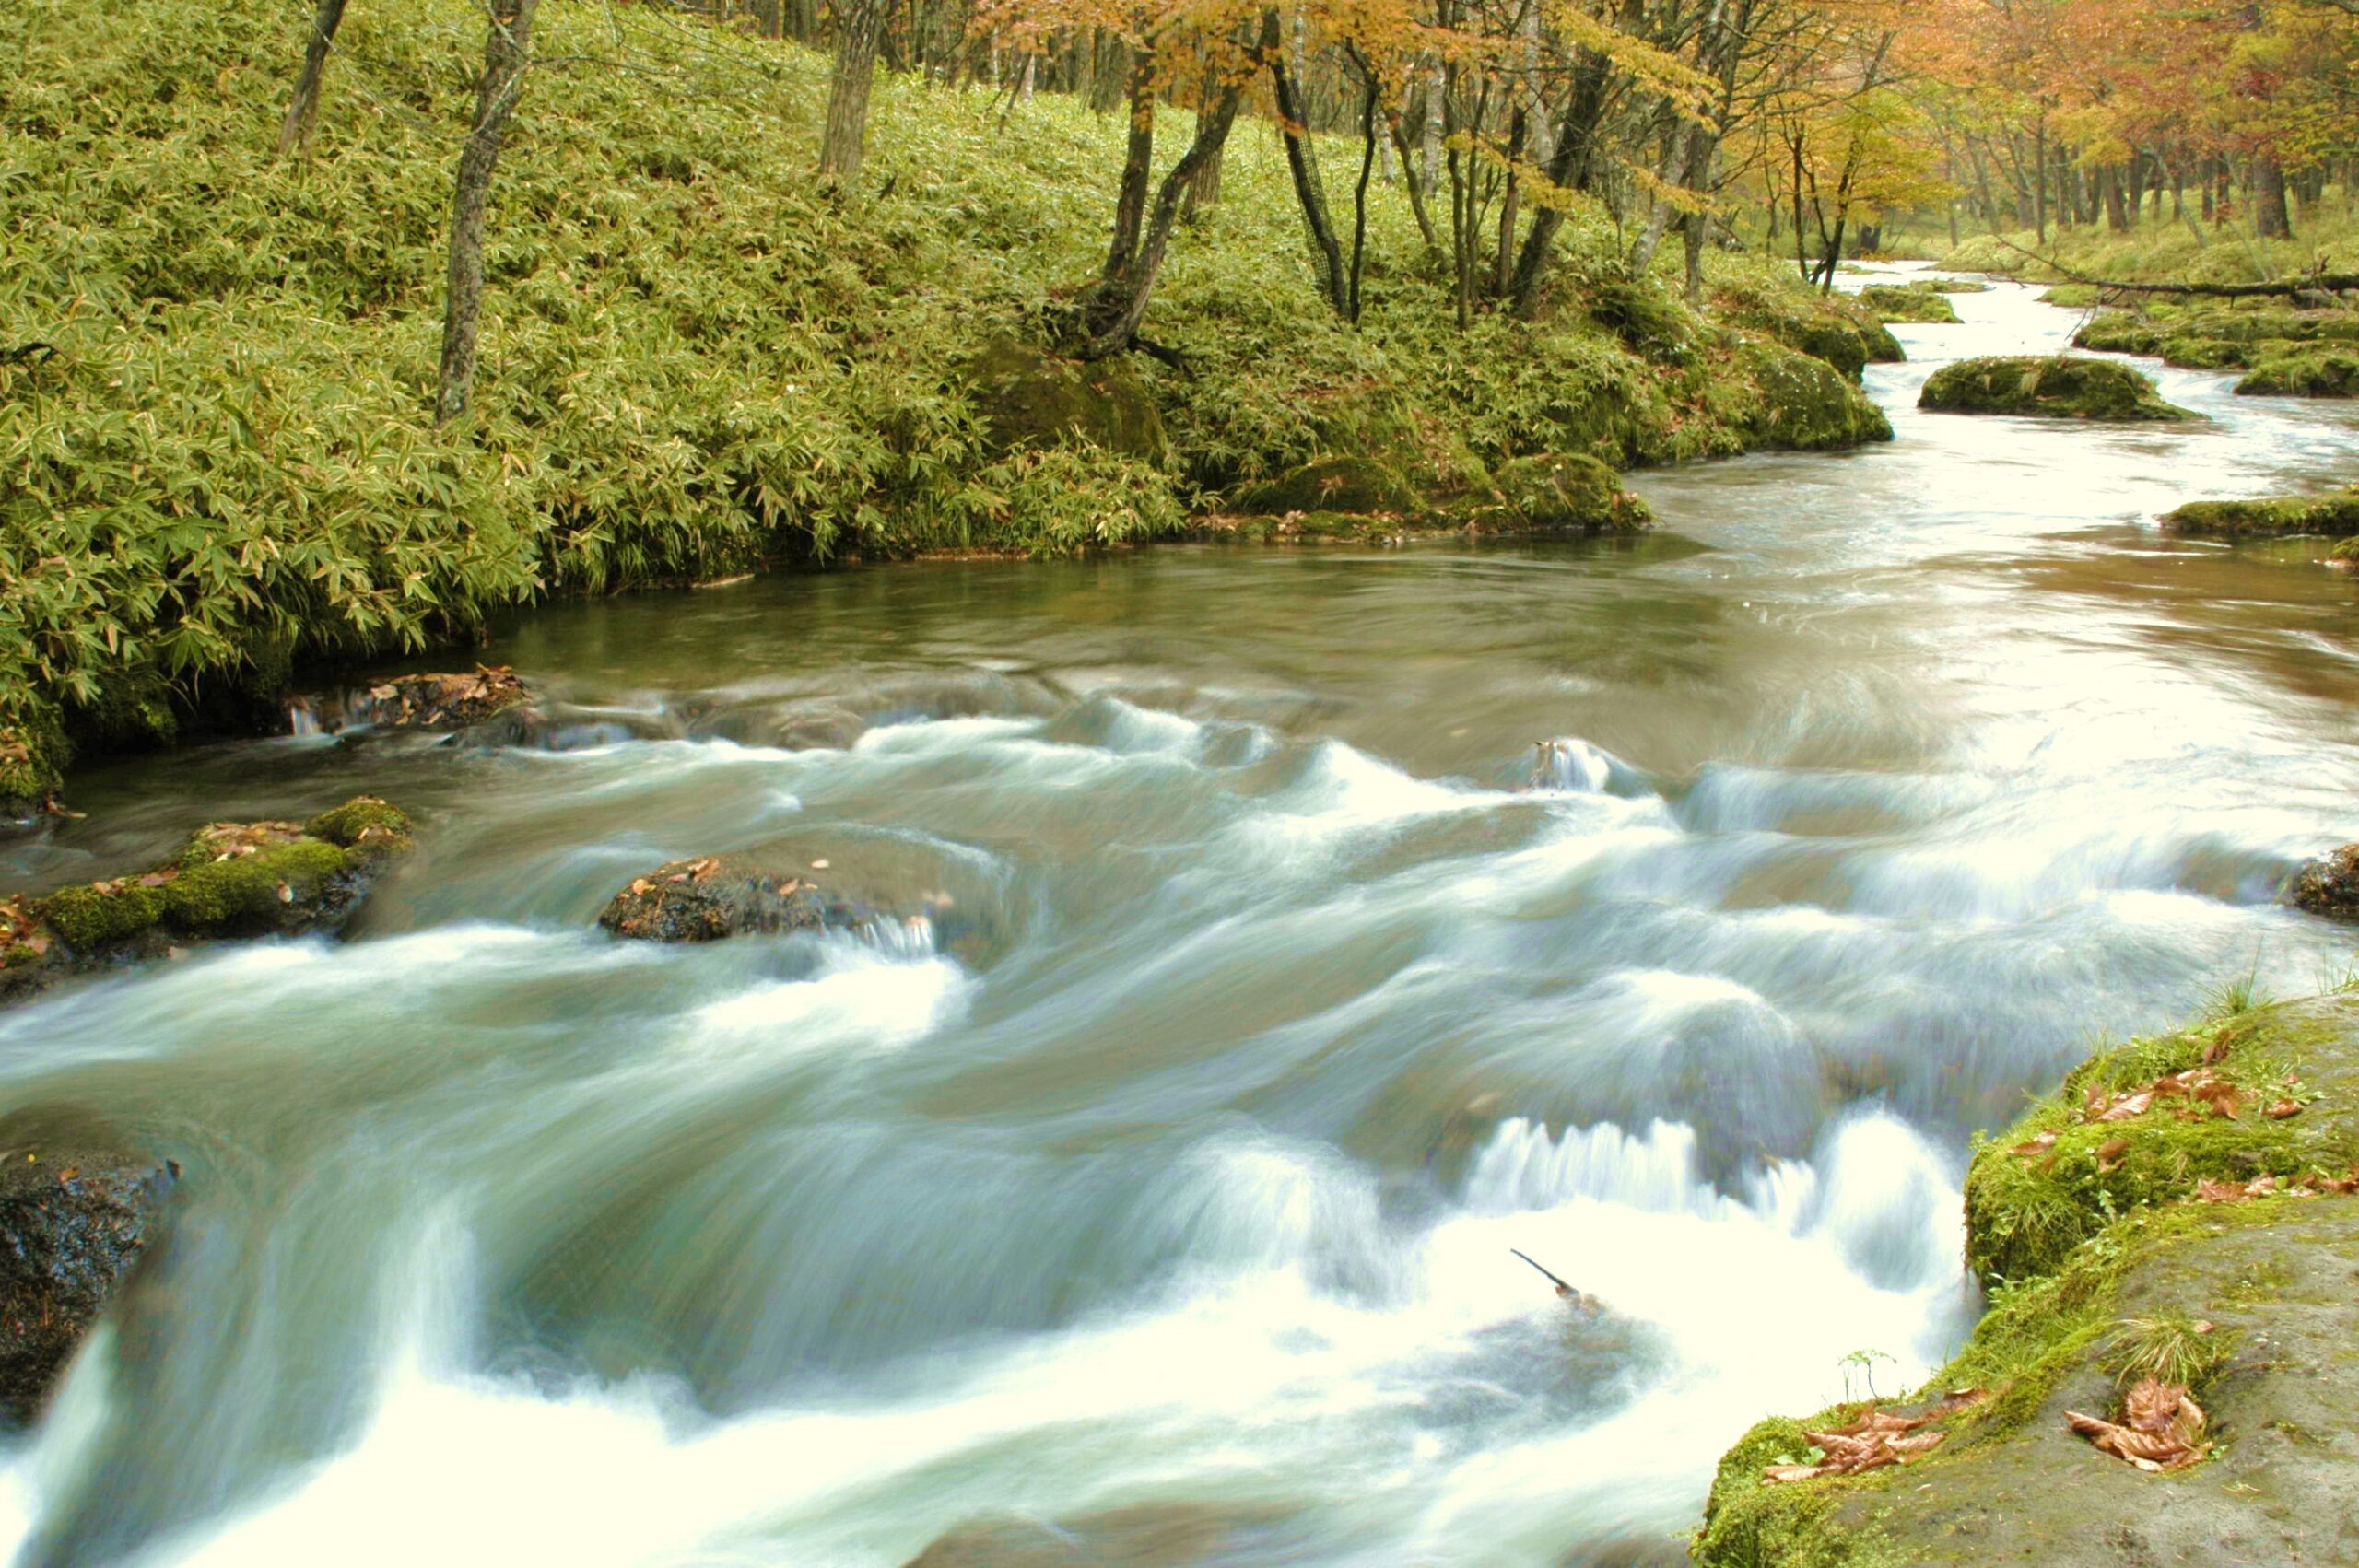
<point>697,361</point>
<point>2182,1200</point>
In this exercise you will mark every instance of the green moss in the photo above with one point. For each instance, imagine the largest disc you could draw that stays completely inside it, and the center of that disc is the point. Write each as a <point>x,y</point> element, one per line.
<point>362,821</point>
<point>1568,491</point>
<point>1358,485</point>
<point>34,752</point>
<point>86,917</point>
<point>1914,302</point>
<point>1031,399</point>
<point>1749,1522</point>
<point>1654,325</point>
<point>2045,388</point>
<point>1801,404</point>
<point>2073,296</point>
<point>1833,328</point>
<point>2335,516</point>
<point>2208,353</point>
<point>2283,371</point>
<point>244,890</point>
<point>2026,1212</point>
<point>2121,332</point>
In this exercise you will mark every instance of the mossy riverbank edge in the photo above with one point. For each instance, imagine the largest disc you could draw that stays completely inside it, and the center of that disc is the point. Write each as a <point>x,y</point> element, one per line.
<point>2090,1237</point>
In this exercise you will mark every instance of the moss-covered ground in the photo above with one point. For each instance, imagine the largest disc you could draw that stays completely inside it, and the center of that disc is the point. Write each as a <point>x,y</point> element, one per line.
<point>2094,1247</point>
<point>2060,387</point>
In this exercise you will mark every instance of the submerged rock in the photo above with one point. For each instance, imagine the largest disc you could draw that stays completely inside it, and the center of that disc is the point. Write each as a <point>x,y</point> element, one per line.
<point>230,880</point>
<point>2330,884</point>
<point>2047,388</point>
<point>79,1206</point>
<point>1911,302</point>
<point>714,896</point>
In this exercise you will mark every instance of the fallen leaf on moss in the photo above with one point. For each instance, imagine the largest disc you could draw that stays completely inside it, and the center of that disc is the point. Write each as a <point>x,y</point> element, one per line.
<point>2124,1107</point>
<point>2110,1153</point>
<point>2281,1110</point>
<point>2038,1145</point>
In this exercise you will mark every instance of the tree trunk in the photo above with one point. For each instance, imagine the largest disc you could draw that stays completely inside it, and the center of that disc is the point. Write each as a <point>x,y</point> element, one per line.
<point>1571,166</point>
<point>1302,162</point>
<point>2269,218</point>
<point>847,131</point>
<point>295,132</point>
<point>507,53</point>
<point>2117,212</point>
<point>1138,168</point>
<point>1119,304</point>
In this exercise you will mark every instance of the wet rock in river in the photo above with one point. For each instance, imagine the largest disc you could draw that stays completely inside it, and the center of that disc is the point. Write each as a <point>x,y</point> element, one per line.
<point>2048,388</point>
<point>1569,493</point>
<point>79,1206</point>
<point>441,702</point>
<point>715,896</point>
<point>2330,884</point>
<point>2269,516</point>
<point>1921,304</point>
<point>230,880</point>
<point>30,750</point>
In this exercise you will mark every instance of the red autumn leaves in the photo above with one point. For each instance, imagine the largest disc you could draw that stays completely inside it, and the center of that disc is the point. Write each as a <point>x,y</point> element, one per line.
<point>1874,1440</point>
<point>2161,1427</point>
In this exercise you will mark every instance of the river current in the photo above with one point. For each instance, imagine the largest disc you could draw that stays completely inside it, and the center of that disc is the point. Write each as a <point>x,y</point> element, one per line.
<point>1151,1200</point>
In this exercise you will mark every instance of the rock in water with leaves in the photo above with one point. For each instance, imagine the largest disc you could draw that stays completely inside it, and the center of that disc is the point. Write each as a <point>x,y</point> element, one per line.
<point>79,1207</point>
<point>2329,885</point>
<point>713,898</point>
<point>230,880</point>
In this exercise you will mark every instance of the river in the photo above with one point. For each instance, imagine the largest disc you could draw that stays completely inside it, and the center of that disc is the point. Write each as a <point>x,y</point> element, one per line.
<point>1151,1202</point>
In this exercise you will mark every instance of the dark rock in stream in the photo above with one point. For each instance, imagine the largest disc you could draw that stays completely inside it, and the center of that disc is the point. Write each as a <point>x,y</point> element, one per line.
<point>441,702</point>
<point>2055,387</point>
<point>230,880</point>
<point>714,896</point>
<point>2329,885</point>
<point>79,1207</point>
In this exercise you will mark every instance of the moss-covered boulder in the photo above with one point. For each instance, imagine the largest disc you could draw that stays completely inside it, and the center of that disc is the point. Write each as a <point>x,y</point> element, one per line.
<point>1917,302</point>
<point>1833,328</point>
<point>2048,388</point>
<point>1568,492</point>
<point>2121,332</point>
<point>2269,516</point>
<point>230,880</point>
<point>1654,325</point>
<point>1360,485</point>
<point>2144,1227</point>
<point>1029,398</point>
<point>1796,402</point>
<point>79,1207</point>
<point>713,898</point>
<point>2073,296</point>
<point>2303,371</point>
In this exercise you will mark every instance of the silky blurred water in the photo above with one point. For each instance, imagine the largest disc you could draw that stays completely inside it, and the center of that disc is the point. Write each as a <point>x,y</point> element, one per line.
<point>1151,1202</point>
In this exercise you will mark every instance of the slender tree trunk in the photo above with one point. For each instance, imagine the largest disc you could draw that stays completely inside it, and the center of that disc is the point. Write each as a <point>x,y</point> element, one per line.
<point>1138,168</point>
<point>2117,212</point>
<point>507,53</point>
<point>2039,183</point>
<point>1204,190</point>
<point>1119,304</point>
<point>1359,194</point>
<point>303,109</point>
<point>1572,165</point>
<point>841,144</point>
<point>1302,162</point>
<point>2271,219</point>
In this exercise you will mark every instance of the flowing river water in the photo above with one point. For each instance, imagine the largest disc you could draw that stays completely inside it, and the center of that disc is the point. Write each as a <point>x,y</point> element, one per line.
<point>1152,1203</point>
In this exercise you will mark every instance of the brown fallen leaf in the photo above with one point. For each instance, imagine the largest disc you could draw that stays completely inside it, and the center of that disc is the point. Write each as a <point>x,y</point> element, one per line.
<point>2038,1145</point>
<point>37,945</point>
<point>2219,1047</point>
<point>2281,1109</point>
<point>2209,1191</point>
<point>2110,1153</point>
<point>68,1174</point>
<point>2125,1106</point>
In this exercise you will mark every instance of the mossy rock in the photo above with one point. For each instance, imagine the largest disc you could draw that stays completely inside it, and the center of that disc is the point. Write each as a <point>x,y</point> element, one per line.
<point>2121,332</point>
<point>1800,403</point>
<point>2099,1257</point>
<point>79,1205</point>
<point>713,897</point>
<point>1028,398</point>
<point>2269,516</point>
<point>1356,485</point>
<point>230,880</point>
<point>1953,285</point>
<point>1652,324</point>
<point>2208,353</point>
<point>2289,371</point>
<point>2048,388</point>
<point>435,703</point>
<point>2073,296</point>
<point>1915,302</point>
<point>1834,328</point>
<point>32,756</point>
<point>1568,492</point>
